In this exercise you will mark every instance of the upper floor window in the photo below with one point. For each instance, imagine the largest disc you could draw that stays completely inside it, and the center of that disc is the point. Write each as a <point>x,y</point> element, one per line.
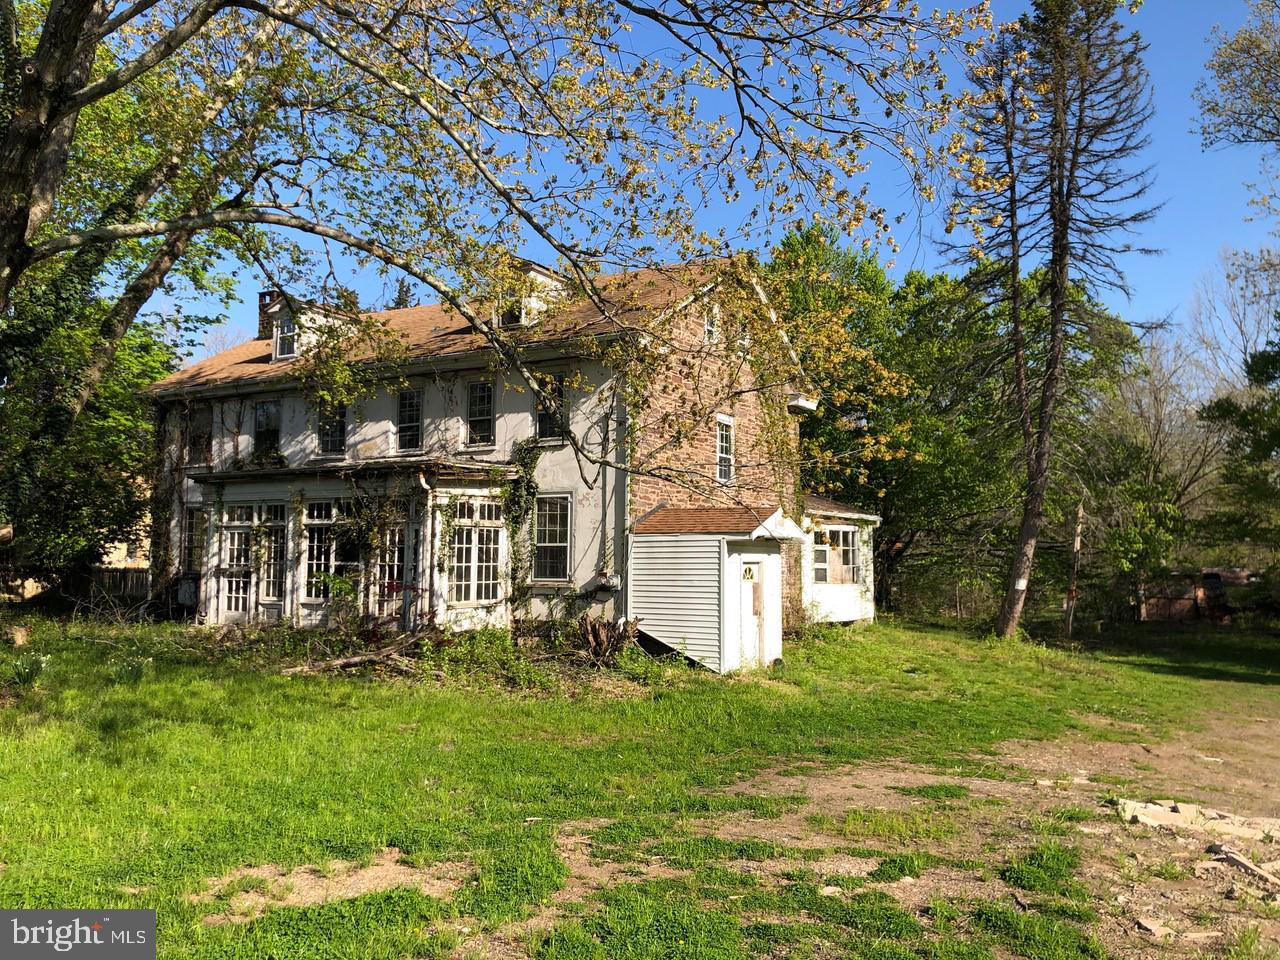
<point>286,335</point>
<point>509,312</point>
<point>266,428</point>
<point>711,322</point>
<point>551,525</point>
<point>409,420</point>
<point>480,413</point>
<point>331,430</point>
<point>200,434</point>
<point>548,428</point>
<point>724,449</point>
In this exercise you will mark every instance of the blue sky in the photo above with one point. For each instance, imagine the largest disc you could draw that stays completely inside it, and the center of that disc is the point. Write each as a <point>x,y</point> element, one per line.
<point>1204,193</point>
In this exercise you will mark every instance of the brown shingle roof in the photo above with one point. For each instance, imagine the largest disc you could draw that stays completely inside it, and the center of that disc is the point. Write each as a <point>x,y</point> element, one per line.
<point>706,520</point>
<point>437,330</point>
<point>816,504</point>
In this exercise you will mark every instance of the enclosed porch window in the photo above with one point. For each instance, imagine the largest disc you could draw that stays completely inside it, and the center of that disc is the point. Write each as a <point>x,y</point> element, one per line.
<point>475,552</point>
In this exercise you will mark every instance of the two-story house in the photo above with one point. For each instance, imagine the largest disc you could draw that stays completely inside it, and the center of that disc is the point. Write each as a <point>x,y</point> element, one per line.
<point>451,495</point>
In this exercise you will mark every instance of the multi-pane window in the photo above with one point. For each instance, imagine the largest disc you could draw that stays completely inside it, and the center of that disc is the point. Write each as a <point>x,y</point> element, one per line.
<point>846,542</point>
<point>391,570</point>
<point>346,550</point>
<point>475,551</point>
<point>195,528</point>
<point>409,420</point>
<point>551,538</point>
<point>319,549</point>
<point>239,557</point>
<point>286,336</point>
<point>200,434</point>
<point>331,430</point>
<point>548,428</point>
<point>724,450</point>
<point>272,519</point>
<point>266,428</point>
<point>835,556</point>
<point>480,413</point>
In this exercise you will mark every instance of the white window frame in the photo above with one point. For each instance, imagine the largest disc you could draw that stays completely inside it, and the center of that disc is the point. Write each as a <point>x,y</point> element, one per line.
<point>393,565</point>
<point>467,441</point>
<point>559,383</point>
<point>821,561</point>
<point>274,517</point>
<point>477,525</point>
<point>398,426</point>
<point>311,567</point>
<point>837,547</point>
<point>567,545</point>
<point>711,322</point>
<point>237,571</point>
<point>849,545</point>
<point>322,421</point>
<point>283,336</point>
<point>722,458</point>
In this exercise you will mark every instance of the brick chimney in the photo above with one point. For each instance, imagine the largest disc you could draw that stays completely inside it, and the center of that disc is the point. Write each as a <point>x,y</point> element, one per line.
<point>266,322</point>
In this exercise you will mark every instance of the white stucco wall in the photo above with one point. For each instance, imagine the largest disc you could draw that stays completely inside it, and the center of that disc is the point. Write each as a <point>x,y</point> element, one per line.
<point>840,602</point>
<point>598,496</point>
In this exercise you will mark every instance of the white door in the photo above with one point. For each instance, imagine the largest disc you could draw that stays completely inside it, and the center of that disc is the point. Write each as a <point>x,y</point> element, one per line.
<point>751,616</point>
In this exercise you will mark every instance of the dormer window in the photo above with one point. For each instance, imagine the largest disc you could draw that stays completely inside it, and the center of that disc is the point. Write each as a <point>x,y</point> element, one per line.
<point>509,313</point>
<point>286,336</point>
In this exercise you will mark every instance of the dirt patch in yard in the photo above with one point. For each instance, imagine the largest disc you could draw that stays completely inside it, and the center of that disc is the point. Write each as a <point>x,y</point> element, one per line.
<point>1179,884</point>
<point>245,893</point>
<point>1225,760</point>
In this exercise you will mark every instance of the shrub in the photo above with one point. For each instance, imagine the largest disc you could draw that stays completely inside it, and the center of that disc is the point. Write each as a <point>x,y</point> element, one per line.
<point>26,669</point>
<point>127,668</point>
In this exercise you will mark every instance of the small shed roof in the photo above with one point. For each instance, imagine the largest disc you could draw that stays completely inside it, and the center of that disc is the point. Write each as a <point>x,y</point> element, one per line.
<point>756,522</point>
<point>709,520</point>
<point>826,507</point>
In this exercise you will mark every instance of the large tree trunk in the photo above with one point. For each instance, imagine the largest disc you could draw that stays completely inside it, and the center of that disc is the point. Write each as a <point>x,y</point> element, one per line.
<point>1024,554</point>
<point>34,140</point>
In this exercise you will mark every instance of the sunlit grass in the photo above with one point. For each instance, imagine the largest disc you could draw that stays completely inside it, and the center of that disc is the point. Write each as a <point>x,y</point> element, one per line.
<point>132,795</point>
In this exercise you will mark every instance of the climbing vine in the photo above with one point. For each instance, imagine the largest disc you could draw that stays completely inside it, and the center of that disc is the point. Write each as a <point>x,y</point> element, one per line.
<point>448,520</point>
<point>519,497</point>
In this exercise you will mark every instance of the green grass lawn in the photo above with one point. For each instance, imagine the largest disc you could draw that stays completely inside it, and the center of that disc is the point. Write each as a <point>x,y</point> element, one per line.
<point>109,787</point>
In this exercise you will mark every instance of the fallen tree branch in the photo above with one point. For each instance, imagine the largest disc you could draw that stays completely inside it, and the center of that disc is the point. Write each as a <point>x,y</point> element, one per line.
<point>356,660</point>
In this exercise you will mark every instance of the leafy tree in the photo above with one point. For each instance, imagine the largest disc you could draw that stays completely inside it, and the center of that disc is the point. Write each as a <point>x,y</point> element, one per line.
<point>71,498</point>
<point>1240,100</point>
<point>909,424</point>
<point>1251,420</point>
